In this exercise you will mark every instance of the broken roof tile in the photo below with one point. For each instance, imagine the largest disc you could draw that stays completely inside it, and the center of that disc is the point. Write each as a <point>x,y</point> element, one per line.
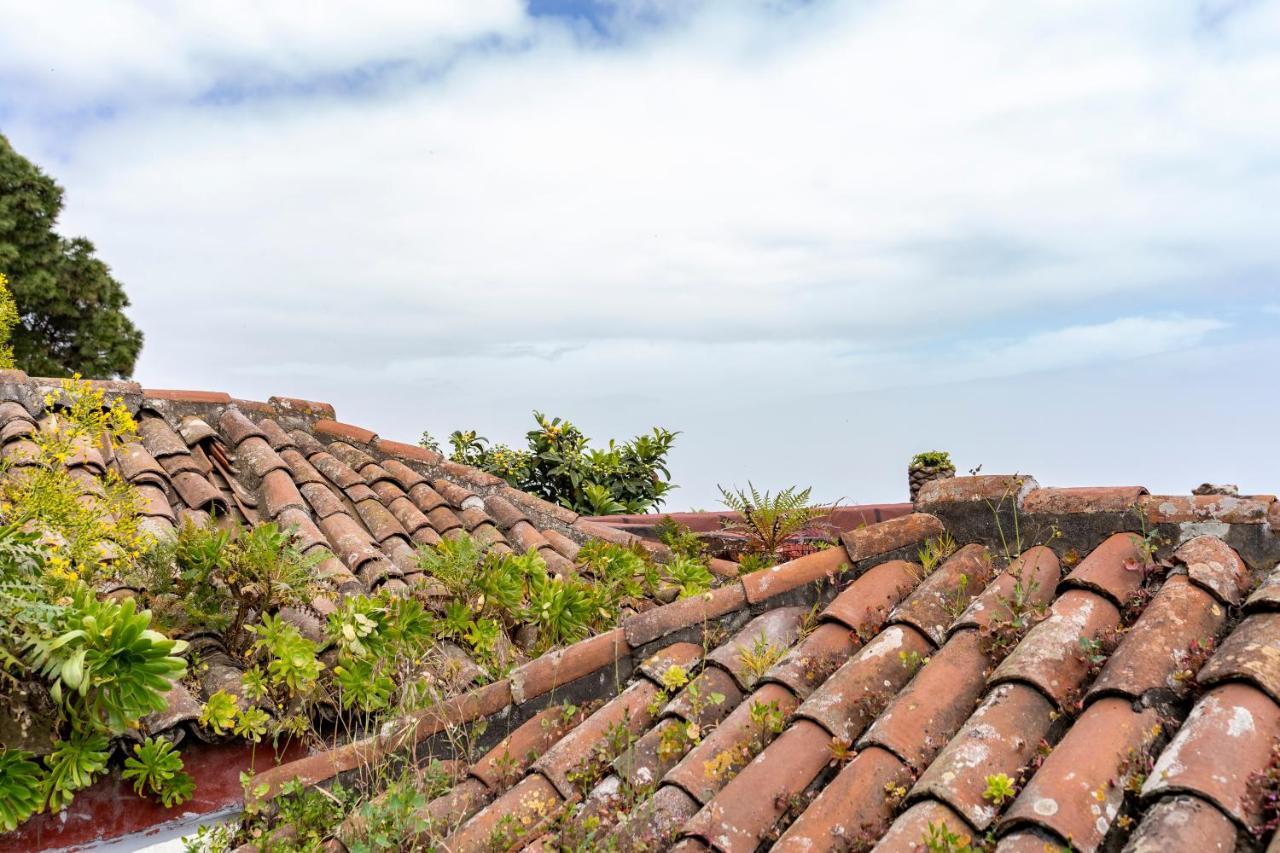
<point>1214,565</point>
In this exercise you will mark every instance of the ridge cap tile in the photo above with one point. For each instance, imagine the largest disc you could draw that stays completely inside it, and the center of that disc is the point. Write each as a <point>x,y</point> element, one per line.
<point>344,431</point>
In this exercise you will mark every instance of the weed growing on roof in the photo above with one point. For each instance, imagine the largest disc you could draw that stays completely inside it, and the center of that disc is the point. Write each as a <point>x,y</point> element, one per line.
<point>682,541</point>
<point>85,523</point>
<point>1019,612</point>
<point>759,658</point>
<point>935,550</point>
<point>938,838</point>
<point>770,520</point>
<point>1000,789</point>
<point>214,578</point>
<point>912,661</point>
<point>156,768</point>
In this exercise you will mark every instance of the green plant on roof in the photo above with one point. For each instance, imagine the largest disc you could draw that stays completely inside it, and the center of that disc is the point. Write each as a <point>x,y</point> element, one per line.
<point>20,780</point>
<point>8,319</point>
<point>768,520</point>
<point>155,767</point>
<point>939,838</point>
<point>1000,789</point>
<point>932,459</point>
<point>559,464</point>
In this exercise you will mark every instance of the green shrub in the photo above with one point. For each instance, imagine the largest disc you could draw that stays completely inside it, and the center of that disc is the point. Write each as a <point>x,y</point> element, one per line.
<point>559,465</point>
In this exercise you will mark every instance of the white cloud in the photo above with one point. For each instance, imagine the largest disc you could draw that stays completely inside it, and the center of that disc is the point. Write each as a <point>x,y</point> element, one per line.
<point>127,50</point>
<point>753,201</point>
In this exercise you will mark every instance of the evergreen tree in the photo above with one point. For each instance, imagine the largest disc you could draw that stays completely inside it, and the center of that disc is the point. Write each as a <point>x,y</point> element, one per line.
<point>71,310</point>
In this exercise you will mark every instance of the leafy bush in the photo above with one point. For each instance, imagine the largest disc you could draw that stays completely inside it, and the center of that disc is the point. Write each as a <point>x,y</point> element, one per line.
<point>560,465</point>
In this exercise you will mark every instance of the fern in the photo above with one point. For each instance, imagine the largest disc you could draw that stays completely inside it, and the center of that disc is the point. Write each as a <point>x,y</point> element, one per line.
<point>769,520</point>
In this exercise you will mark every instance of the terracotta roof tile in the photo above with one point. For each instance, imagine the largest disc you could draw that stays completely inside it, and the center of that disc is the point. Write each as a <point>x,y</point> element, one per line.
<point>1078,791</point>
<point>1183,825</point>
<point>769,634</point>
<point>381,523</point>
<point>658,822</point>
<point>279,492</point>
<point>1060,501</point>
<point>1114,569</point>
<point>926,714</point>
<point>1250,653</point>
<point>216,397</point>
<point>1033,576</point>
<point>275,435</point>
<point>154,502</point>
<point>931,608</point>
<point>1190,508</point>
<point>867,601</point>
<point>1267,595</point>
<point>237,427</point>
<point>558,668</point>
<point>159,438</point>
<point>1050,656</point>
<point>853,810</point>
<point>1000,737</point>
<point>646,627</point>
<point>852,697</point>
<point>343,432</point>
<point>528,805</point>
<point>1234,720</point>
<point>814,658</point>
<point>1156,652</point>
<point>731,745</point>
<point>975,490</point>
<point>139,466</point>
<point>630,709</point>
<point>914,825</point>
<point>888,536</point>
<point>338,473</point>
<point>198,493</point>
<point>350,456</point>
<point>515,753</point>
<point>741,815</point>
<point>1214,565</point>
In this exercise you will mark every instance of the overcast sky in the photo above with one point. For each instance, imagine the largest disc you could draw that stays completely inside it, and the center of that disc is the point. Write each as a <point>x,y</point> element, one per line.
<point>815,237</point>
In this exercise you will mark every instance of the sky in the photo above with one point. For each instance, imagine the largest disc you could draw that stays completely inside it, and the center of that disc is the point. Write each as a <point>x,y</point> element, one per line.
<point>814,237</point>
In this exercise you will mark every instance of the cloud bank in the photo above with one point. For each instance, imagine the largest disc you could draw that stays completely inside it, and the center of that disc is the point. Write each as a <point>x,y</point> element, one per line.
<point>631,213</point>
